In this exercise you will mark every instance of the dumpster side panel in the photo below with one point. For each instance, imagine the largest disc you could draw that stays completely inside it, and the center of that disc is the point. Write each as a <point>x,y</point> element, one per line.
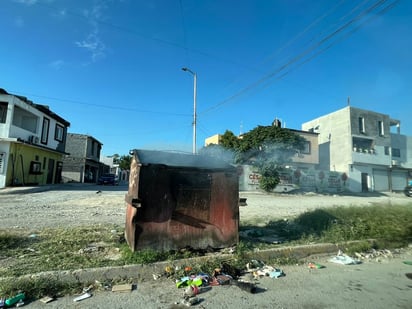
<point>183,207</point>
<point>224,207</point>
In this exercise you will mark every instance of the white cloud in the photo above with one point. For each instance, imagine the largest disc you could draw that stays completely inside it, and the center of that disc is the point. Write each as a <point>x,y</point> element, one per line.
<point>92,43</point>
<point>57,64</point>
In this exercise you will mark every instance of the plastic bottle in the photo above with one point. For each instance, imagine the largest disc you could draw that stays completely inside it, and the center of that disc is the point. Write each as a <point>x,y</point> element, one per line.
<point>15,299</point>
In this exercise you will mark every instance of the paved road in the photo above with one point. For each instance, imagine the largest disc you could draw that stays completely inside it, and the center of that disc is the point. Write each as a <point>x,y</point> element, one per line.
<point>367,285</point>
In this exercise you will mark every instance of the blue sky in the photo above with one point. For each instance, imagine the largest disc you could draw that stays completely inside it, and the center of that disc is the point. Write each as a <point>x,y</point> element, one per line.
<point>112,68</point>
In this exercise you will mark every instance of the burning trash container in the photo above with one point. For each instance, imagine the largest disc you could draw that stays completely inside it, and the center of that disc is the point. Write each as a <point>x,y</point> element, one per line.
<point>180,200</point>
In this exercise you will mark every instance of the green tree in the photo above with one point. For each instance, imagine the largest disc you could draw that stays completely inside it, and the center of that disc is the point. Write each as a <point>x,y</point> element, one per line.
<point>229,140</point>
<point>269,148</point>
<point>226,149</point>
<point>124,162</point>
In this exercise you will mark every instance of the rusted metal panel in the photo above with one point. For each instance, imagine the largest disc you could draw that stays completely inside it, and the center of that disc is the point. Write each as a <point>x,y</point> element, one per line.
<point>176,201</point>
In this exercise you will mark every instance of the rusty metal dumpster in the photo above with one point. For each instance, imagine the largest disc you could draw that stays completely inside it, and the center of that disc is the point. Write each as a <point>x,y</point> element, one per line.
<point>179,200</point>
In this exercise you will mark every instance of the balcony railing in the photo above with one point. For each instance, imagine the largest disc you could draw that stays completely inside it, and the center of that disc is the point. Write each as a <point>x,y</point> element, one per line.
<point>365,150</point>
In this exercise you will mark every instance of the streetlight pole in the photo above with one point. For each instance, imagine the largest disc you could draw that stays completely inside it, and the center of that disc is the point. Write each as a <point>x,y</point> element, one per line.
<point>194,106</point>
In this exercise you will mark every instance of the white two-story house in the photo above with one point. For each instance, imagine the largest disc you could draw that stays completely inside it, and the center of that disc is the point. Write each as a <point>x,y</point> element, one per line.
<point>367,146</point>
<point>32,142</point>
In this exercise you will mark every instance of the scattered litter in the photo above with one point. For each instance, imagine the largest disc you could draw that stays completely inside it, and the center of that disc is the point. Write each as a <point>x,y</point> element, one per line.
<point>14,300</point>
<point>344,259</point>
<point>20,303</point>
<point>315,266</point>
<point>156,276</point>
<point>245,286</point>
<point>276,273</point>
<point>254,264</point>
<point>192,280</point>
<point>88,289</point>
<point>374,254</point>
<point>407,262</point>
<point>122,288</point>
<point>46,299</point>
<point>221,280</point>
<point>2,304</point>
<point>227,269</point>
<point>409,275</point>
<point>191,291</point>
<point>82,297</point>
<point>106,286</point>
<point>169,270</point>
<point>191,301</point>
<point>268,271</point>
<point>88,250</point>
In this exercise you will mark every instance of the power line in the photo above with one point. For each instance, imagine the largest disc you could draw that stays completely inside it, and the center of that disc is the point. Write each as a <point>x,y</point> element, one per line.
<point>297,57</point>
<point>383,11</point>
<point>100,105</point>
<point>288,43</point>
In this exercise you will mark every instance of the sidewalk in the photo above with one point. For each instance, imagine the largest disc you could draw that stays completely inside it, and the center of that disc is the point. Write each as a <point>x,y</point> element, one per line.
<point>43,188</point>
<point>371,284</point>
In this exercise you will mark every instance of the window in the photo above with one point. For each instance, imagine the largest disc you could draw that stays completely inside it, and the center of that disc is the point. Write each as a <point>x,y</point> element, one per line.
<point>396,152</point>
<point>3,112</point>
<point>381,128</point>
<point>361,125</point>
<point>35,168</point>
<point>24,119</point>
<point>45,131</point>
<point>58,133</point>
<point>306,148</point>
<point>387,150</point>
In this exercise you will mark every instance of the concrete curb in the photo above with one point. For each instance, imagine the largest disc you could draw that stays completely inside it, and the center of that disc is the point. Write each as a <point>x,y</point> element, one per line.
<point>145,272</point>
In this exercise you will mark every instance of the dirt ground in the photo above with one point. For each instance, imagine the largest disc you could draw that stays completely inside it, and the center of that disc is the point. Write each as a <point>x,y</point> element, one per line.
<point>77,205</point>
<point>375,283</point>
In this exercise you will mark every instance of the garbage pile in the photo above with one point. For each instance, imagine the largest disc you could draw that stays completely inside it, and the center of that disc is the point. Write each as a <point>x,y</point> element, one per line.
<point>376,255</point>
<point>194,284</point>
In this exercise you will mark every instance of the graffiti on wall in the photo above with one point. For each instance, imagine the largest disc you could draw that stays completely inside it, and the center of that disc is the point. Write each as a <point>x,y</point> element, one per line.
<point>254,178</point>
<point>307,180</point>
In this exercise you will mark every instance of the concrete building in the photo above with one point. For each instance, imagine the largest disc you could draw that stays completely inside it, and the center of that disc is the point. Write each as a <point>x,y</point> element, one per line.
<point>299,173</point>
<point>365,145</point>
<point>82,164</point>
<point>114,168</point>
<point>214,139</point>
<point>32,142</point>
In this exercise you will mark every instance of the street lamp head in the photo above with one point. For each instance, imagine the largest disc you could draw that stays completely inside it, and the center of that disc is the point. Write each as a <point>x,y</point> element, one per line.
<point>188,70</point>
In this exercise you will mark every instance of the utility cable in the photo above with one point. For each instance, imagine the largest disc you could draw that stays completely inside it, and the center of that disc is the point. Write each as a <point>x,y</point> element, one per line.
<point>295,58</point>
<point>100,105</point>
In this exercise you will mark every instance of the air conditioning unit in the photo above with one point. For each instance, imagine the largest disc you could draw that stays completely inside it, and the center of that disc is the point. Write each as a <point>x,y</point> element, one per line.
<point>33,139</point>
<point>395,162</point>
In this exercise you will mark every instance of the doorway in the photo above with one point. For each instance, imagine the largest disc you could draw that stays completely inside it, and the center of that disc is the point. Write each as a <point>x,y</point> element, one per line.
<point>50,171</point>
<point>364,180</point>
